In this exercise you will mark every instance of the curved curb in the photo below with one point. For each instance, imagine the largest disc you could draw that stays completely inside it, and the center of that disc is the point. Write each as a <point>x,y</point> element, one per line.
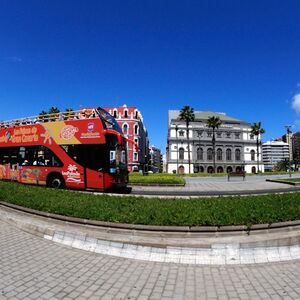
<point>157,184</point>
<point>294,183</point>
<point>196,247</point>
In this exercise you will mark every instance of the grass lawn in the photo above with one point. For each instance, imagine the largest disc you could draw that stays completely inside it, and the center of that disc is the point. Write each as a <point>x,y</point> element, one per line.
<point>246,210</point>
<point>291,179</point>
<point>157,178</point>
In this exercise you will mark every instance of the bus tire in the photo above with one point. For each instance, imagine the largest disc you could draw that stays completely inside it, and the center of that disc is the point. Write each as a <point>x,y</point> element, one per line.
<point>55,181</point>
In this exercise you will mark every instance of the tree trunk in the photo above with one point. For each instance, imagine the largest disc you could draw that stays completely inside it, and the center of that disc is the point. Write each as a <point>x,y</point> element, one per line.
<point>257,154</point>
<point>214,150</point>
<point>188,142</point>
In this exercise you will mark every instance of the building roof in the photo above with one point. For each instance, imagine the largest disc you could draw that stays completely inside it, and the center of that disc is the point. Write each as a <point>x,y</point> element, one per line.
<point>204,115</point>
<point>275,143</point>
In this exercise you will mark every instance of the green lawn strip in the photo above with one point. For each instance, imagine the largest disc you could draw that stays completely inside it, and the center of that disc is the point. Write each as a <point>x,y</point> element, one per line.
<point>291,179</point>
<point>246,210</point>
<point>160,178</point>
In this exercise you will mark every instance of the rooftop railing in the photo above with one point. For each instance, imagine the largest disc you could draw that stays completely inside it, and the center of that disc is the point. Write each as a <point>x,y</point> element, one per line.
<point>85,113</point>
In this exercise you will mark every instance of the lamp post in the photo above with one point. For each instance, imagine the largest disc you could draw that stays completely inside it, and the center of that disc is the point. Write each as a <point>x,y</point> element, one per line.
<point>288,131</point>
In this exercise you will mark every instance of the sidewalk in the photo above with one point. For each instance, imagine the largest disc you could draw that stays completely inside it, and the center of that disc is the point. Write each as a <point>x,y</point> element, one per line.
<point>218,185</point>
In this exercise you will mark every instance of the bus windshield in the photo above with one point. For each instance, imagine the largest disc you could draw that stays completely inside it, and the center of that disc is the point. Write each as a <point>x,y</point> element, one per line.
<point>108,120</point>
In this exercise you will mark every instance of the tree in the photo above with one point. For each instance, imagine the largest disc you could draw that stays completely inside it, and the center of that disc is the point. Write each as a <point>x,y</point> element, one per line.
<point>54,113</point>
<point>54,110</point>
<point>282,165</point>
<point>257,130</point>
<point>69,114</point>
<point>42,115</point>
<point>214,123</point>
<point>187,115</point>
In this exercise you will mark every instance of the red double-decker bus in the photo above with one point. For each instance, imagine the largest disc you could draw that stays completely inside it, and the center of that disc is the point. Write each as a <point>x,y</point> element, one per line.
<point>77,149</point>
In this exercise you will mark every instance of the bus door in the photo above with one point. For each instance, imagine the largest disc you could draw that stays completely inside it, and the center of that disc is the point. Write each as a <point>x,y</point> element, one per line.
<point>96,159</point>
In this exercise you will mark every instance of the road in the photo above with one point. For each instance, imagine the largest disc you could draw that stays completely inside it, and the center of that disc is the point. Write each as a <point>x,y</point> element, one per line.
<point>35,268</point>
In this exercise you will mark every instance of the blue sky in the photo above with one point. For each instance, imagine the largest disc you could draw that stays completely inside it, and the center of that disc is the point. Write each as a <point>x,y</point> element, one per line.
<point>237,57</point>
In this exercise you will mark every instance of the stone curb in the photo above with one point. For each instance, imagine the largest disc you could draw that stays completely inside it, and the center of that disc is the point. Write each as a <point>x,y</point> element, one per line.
<point>158,184</point>
<point>198,249</point>
<point>284,181</point>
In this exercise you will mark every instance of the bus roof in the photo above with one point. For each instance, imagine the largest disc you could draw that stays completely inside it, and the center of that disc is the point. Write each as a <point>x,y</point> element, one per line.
<point>88,125</point>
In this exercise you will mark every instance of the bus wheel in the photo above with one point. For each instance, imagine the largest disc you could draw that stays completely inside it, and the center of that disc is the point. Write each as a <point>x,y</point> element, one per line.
<point>55,181</point>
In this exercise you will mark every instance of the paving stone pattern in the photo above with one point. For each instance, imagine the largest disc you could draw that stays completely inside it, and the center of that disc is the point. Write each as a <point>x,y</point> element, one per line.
<point>35,268</point>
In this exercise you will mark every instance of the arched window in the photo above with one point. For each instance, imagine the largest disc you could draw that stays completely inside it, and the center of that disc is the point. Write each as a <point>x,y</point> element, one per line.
<point>229,169</point>
<point>209,154</point>
<point>219,154</point>
<point>115,113</point>
<point>125,128</point>
<point>220,170</point>
<point>136,129</point>
<point>252,152</point>
<point>181,153</point>
<point>136,114</point>
<point>228,154</point>
<point>237,154</point>
<point>125,113</point>
<point>199,153</point>
<point>181,170</point>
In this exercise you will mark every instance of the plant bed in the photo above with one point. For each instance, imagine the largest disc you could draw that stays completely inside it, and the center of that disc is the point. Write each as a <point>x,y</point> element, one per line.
<point>156,179</point>
<point>222,211</point>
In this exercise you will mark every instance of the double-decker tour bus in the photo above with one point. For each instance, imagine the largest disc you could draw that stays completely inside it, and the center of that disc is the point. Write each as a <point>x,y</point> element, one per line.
<point>76,149</point>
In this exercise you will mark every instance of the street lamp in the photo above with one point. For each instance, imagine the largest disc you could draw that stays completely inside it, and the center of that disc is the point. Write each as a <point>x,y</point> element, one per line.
<point>288,131</point>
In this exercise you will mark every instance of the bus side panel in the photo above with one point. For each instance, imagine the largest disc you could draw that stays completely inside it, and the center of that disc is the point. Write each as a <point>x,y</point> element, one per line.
<point>33,175</point>
<point>94,179</point>
<point>9,172</point>
<point>73,175</point>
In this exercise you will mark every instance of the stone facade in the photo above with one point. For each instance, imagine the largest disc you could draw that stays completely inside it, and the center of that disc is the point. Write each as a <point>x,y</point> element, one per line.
<point>131,121</point>
<point>235,146</point>
<point>156,162</point>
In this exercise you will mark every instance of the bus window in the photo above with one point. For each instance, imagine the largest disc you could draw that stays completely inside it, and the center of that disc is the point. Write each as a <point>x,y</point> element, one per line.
<point>45,156</point>
<point>4,156</point>
<point>13,157</point>
<point>76,152</point>
<point>97,157</point>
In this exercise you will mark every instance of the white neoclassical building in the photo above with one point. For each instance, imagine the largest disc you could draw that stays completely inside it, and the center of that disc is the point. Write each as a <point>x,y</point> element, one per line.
<point>235,146</point>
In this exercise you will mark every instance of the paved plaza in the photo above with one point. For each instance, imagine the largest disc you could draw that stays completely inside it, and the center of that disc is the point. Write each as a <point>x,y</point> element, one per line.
<point>34,268</point>
<point>221,186</point>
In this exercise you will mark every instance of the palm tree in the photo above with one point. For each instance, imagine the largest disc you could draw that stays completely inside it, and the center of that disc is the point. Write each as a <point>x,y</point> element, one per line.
<point>54,113</point>
<point>187,115</point>
<point>69,113</point>
<point>257,130</point>
<point>214,123</point>
<point>42,115</point>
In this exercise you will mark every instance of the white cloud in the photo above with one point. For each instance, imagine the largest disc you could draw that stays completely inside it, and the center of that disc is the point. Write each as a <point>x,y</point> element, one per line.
<point>296,103</point>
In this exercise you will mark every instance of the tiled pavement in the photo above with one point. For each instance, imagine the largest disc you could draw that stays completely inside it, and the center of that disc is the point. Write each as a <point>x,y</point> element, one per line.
<point>34,268</point>
<point>221,184</point>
